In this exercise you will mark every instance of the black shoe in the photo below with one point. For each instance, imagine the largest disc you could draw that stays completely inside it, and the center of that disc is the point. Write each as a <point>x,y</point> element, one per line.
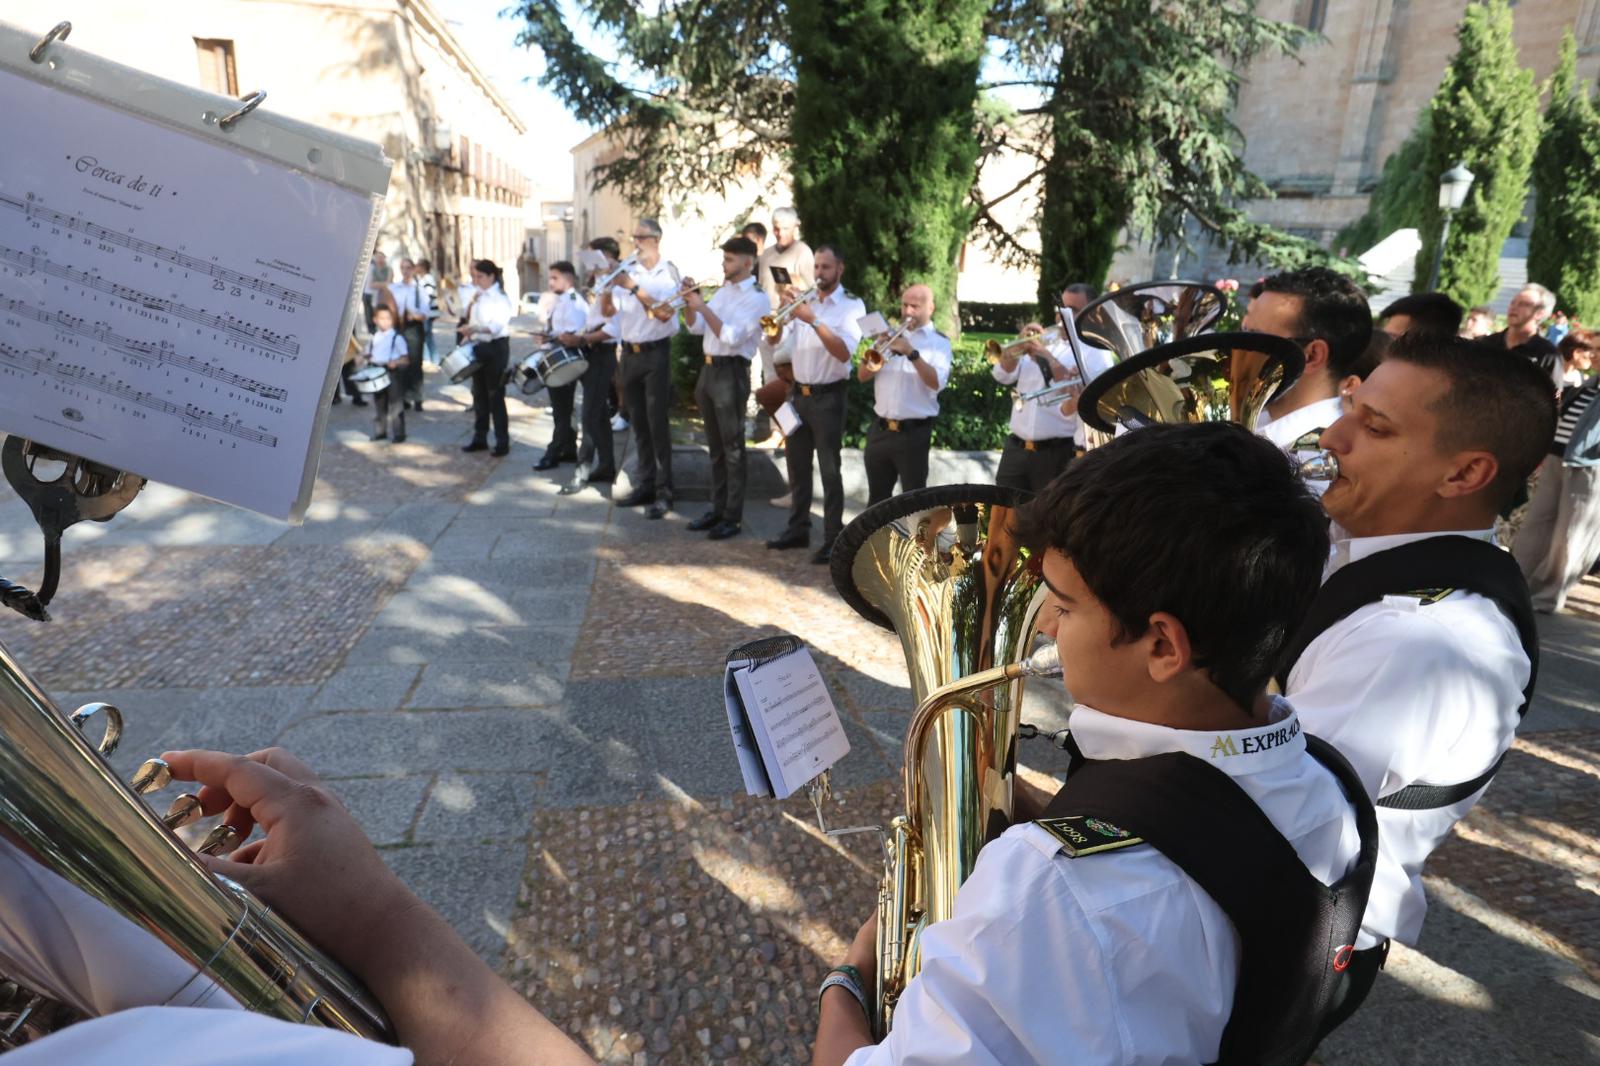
<point>476,446</point>
<point>602,475</point>
<point>724,530</point>
<point>547,461</point>
<point>790,540</point>
<point>500,449</point>
<point>567,457</point>
<point>358,401</point>
<point>659,509</point>
<point>705,522</point>
<point>823,555</point>
<point>399,438</point>
<point>636,497</point>
<point>419,405</point>
<point>337,399</point>
<point>380,436</point>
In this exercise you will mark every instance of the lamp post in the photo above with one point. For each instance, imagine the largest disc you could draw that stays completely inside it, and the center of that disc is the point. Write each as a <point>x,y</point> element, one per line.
<point>1453,189</point>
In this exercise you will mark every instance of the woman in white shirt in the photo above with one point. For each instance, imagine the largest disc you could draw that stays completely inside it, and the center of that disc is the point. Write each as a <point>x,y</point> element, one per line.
<point>486,326</point>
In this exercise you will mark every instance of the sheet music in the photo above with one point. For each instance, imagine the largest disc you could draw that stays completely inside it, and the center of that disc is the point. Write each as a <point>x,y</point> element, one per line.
<point>170,303</point>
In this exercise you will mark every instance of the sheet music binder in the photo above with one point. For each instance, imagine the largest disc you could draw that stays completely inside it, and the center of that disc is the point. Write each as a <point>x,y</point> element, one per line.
<point>344,162</point>
<point>786,730</point>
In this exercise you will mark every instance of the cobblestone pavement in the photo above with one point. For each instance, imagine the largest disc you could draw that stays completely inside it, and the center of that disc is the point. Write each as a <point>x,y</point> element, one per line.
<point>518,694</point>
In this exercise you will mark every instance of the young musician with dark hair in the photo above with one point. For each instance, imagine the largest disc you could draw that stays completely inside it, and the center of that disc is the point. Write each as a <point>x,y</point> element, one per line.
<point>1325,313</point>
<point>565,327</point>
<point>1074,939</point>
<point>1419,653</point>
<point>488,321</point>
<point>1432,313</point>
<point>388,349</point>
<point>597,461</point>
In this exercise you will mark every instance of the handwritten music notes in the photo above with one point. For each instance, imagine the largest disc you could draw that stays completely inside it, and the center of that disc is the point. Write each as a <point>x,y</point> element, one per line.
<point>172,297</point>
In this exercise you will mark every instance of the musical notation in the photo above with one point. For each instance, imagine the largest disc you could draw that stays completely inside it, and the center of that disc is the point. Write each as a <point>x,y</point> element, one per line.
<point>81,375</point>
<point>30,208</point>
<point>160,352</point>
<point>257,336</point>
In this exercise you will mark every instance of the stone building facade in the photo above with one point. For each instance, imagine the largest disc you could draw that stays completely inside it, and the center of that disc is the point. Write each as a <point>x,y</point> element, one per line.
<point>388,71</point>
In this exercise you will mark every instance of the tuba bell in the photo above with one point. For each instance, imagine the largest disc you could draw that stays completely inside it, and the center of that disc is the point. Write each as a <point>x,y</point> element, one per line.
<point>940,567</point>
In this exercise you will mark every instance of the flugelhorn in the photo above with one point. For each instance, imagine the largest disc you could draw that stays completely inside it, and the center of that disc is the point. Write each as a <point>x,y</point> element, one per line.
<point>772,325</point>
<point>996,352</point>
<point>873,358</point>
<point>622,268</point>
<point>667,308</point>
<point>940,567</point>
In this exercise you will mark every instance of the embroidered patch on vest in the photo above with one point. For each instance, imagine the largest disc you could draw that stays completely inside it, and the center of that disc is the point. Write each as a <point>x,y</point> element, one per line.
<point>1081,835</point>
<point>1428,597</point>
<point>1307,441</point>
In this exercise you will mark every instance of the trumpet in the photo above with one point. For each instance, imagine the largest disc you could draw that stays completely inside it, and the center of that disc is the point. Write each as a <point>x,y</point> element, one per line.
<point>1054,393</point>
<point>667,308</point>
<point>873,358</point>
<point>997,352</point>
<point>622,268</point>
<point>772,325</point>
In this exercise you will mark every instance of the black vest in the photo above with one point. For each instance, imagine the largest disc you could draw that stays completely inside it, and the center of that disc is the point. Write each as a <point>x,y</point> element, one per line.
<point>1425,567</point>
<point>1296,934</point>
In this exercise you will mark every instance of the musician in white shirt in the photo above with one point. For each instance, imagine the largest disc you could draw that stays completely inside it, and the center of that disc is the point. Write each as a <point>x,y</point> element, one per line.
<point>413,314</point>
<point>388,349</point>
<point>486,327</point>
<point>634,298</point>
<point>567,317</point>
<point>821,339</point>
<point>906,399</point>
<point>730,322</point>
<point>1042,436</point>
<point>597,461</point>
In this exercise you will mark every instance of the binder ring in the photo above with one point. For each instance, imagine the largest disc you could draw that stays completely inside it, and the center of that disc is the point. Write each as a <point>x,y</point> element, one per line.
<point>251,102</point>
<point>59,32</point>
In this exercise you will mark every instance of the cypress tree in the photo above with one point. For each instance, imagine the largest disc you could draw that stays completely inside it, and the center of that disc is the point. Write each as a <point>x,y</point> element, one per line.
<point>1485,114</point>
<point>884,136</point>
<point>1564,250</point>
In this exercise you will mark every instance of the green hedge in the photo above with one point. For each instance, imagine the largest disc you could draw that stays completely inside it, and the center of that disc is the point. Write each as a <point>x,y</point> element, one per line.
<point>1006,319</point>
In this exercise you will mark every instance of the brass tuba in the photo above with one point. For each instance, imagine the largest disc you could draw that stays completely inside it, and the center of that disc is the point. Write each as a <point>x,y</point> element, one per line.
<point>940,567</point>
<point>63,807</point>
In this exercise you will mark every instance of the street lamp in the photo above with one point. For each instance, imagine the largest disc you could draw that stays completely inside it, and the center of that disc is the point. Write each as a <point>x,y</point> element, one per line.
<point>1453,189</point>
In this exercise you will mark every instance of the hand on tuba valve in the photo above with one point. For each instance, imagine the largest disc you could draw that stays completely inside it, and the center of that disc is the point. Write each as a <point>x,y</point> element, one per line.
<point>772,325</point>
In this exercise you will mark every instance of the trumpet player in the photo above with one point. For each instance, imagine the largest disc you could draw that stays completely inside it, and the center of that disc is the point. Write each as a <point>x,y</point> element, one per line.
<point>730,322</point>
<point>1041,442</point>
<point>647,363</point>
<point>1086,936</point>
<point>906,374</point>
<point>822,336</point>
<point>565,328</point>
<point>597,462</point>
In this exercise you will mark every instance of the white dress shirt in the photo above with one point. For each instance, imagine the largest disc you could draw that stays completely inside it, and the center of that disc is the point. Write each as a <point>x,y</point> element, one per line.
<point>1411,693</point>
<point>1096,361</point>
<point>1030,419</point>
<point>407,299</point>
<point>1116,957</point>
<point>597,320</point>
<point>568,315</point>
<point>1312,418</point>
<point>739,308</point>
<point>898,390</point>
<point>385,347</point>
<point>191,1036</point>
<point>490,315</point>
<point>637,324</point>
<point>812,364</point>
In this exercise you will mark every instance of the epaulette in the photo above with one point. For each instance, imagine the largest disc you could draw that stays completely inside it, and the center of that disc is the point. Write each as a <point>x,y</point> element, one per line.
<point>942,333</point>
<point>1081,835</point>
<point>1309,441</point>
<point>1428,597</point>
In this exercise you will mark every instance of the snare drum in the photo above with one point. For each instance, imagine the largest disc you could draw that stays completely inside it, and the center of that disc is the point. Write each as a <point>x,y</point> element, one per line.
<point>559,366</point>
<point>371,379</point>
<point>460,364</point>
<point>524,376</point>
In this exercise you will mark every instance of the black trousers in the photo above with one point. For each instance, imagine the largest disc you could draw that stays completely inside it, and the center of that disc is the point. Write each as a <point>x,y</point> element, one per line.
<point>411,376</point>
<point>597,452</point>
<point>489,392</point>
<point>647,390</point>
<point>821,434</point>
<point>721,393</point>
<point>389,417</point>
<point>1031,471</point>
<point>892,454</point>
<point>564,440</point>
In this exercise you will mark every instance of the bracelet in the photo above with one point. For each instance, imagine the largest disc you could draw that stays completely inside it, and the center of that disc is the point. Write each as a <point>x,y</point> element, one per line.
<point>848,978</point>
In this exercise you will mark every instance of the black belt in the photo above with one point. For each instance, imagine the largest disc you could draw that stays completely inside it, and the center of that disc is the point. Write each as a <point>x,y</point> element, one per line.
<point>899,425</point>
<point>820,390</point>
<point>644,346</point>
<point>710,359</point>
<point>1047,444</point>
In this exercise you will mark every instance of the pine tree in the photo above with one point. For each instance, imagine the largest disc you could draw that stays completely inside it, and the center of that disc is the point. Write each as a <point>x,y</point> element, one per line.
<point>1485,114</point>
<point>885,145</point>
<point>1564,250</point>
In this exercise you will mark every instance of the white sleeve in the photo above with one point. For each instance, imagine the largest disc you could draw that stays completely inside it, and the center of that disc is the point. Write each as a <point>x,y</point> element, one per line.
<point>940,359</point>
<point>849,330</point>
<point>1004,376</point>
<point>494,315</point>
<point>193,1036</point>
<point>743,318</point>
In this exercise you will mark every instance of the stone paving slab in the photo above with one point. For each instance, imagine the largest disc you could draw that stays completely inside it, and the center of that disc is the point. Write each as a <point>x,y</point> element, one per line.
<point>386,807</point>
<point>489,684</point>
<point>474,886</point>
<point>479,808</point>
<point>551,645</point>
<point>375,687</point>
<point>407,742</point>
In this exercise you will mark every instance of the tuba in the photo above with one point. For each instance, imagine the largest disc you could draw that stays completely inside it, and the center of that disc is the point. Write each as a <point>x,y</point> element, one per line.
<point>940,567</point>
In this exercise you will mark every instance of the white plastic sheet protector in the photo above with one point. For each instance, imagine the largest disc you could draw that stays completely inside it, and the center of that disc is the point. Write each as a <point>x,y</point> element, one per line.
<point>175,298</point>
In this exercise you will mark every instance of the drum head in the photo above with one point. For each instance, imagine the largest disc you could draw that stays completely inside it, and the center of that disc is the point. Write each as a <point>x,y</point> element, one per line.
<point>562,367</point>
